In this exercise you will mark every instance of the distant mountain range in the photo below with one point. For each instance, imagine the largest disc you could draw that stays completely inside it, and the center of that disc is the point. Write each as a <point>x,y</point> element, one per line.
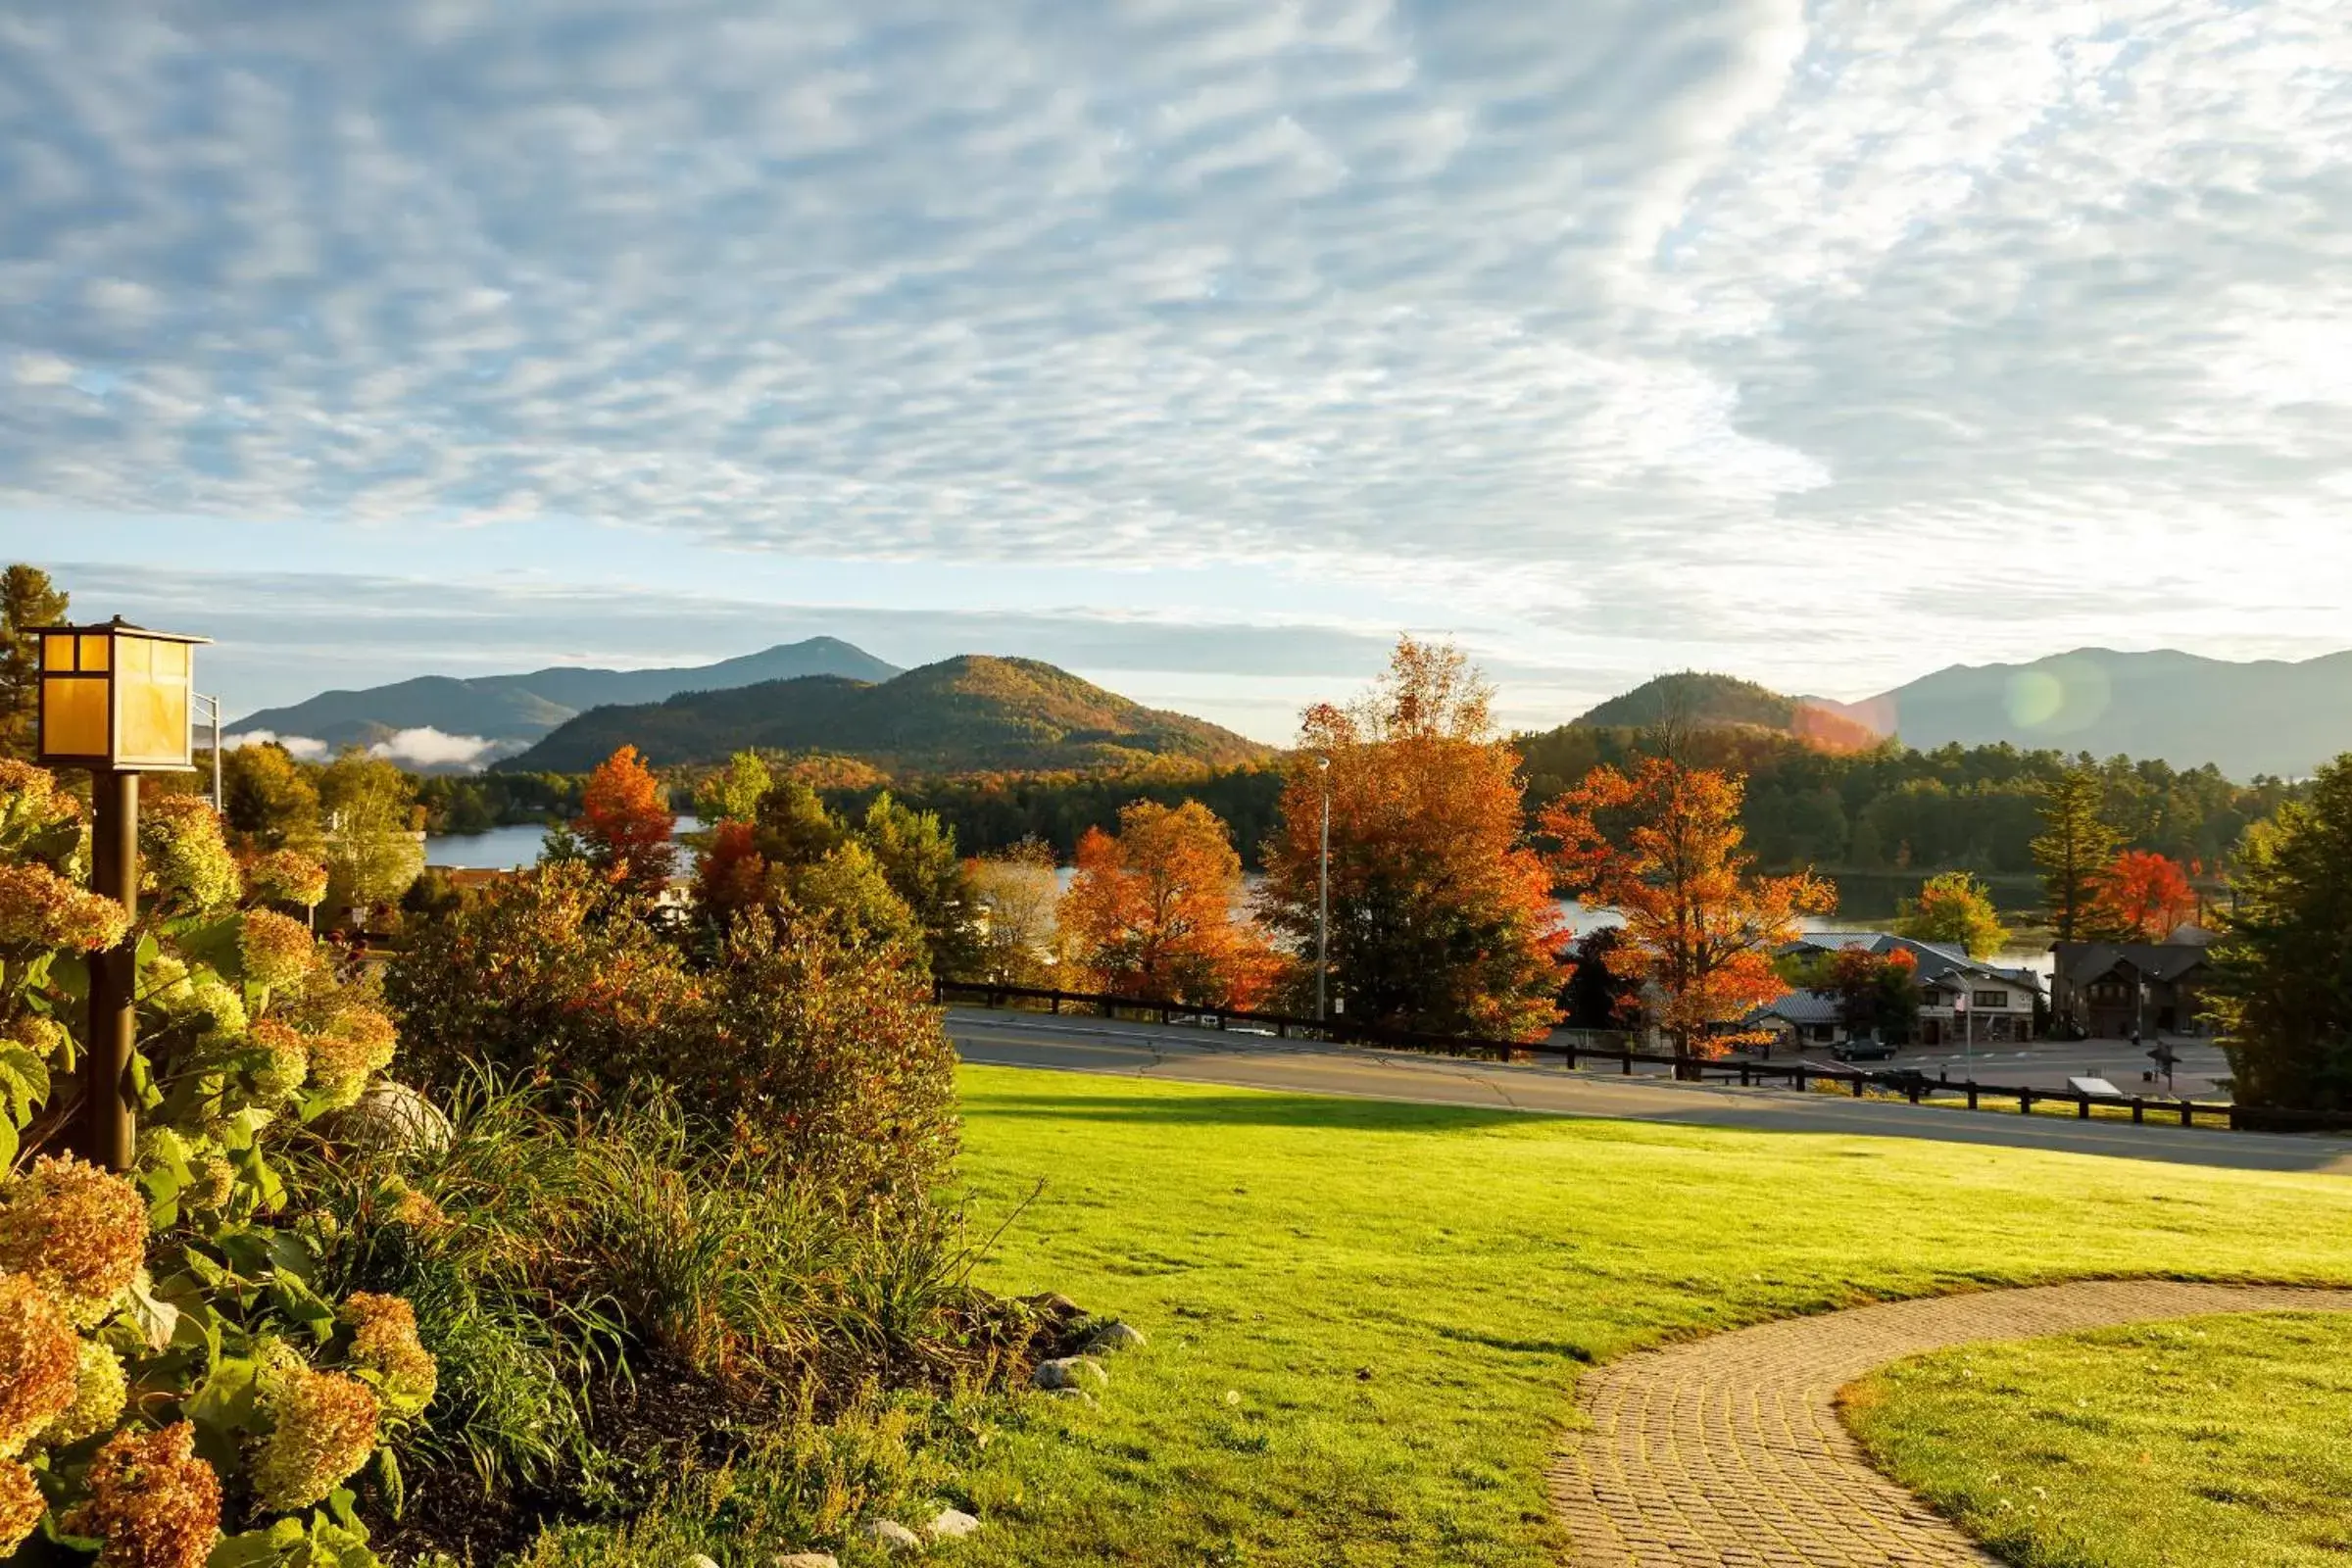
<point>972,713</point>
<point>2267,716</point>
<point>508,712</point>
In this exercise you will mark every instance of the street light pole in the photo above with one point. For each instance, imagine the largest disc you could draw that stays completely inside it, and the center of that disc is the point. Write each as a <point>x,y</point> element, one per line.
<point>1323,903</point>
<point>111,1125</point>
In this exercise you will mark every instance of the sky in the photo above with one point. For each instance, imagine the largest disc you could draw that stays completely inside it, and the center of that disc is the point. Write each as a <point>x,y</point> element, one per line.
<point>1202,346</point>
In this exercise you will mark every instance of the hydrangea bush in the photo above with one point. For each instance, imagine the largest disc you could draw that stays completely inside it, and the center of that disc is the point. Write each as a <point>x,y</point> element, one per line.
<point>175,1389</point>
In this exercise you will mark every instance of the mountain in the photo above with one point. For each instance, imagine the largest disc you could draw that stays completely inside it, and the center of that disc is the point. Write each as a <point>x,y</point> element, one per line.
<point>510,711</point>
<point>1711,702</point>
<point>968,714</point>
<point>2267,716</point>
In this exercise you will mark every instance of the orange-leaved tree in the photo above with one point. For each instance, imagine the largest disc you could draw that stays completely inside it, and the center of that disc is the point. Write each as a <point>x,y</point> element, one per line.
<point>625,823</point>
<point>2142,897</point>
<point>1662,845</point>
<point>1441,918</point>
<point>1152,910</point>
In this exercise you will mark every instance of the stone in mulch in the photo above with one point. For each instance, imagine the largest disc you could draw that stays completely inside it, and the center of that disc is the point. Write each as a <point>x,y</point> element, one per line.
<point>953,1524</point>
<point>894,1536</point>
<point>1070,1372</point>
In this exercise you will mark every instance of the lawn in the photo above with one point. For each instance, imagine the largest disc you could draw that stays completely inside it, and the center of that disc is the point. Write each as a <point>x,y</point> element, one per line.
<point>2207,1442</point>
<point>1367,1318</point>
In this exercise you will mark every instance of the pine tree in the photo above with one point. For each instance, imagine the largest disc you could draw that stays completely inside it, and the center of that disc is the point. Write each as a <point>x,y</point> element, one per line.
<point>27,599</point>
<point>2076,847</point>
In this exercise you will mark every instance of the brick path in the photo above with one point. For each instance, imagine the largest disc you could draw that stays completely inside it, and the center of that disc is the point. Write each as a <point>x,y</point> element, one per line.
<point>1727,1451</point>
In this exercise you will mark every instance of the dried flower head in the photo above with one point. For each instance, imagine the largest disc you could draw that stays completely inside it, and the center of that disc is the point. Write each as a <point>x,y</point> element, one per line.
<point>101,1389</point>
<point>419,1212</point>
<point>185,852</point>
<point>286,876</point>
<point>220,1004</point>
<point>152,1502</point>
<point>80,1233</point>
<point>37,1362</point>
<point>213,1181</point>
<point>164,983</point>
<point>384,1341</point>
<point>276,949</point>
<point>289,1056</point>
<point>20,1506</point>
<point>32,804</point>
<point>38,909</point>
<point>359,1044</point>
<point>38,1035</point>
<point>324,1429</point>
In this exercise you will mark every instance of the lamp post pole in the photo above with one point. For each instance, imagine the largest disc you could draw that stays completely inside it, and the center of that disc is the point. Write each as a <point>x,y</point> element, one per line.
<point>110,1128</point>
<point>1323,903</point>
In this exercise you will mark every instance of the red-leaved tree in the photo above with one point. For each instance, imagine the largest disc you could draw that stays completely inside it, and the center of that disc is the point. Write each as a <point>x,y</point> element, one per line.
<point>2144,896</point>
<point>1152,910</point>
<point>625,823</point>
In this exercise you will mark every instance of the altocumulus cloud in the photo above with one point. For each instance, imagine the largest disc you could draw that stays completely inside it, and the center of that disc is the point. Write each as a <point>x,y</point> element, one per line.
<point>1638,314</point>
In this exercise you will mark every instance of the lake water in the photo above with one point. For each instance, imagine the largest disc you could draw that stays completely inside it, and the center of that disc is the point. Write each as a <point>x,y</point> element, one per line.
<point>507,848</point>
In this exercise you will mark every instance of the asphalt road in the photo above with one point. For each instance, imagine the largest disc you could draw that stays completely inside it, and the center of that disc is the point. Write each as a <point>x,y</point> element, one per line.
<point>1199,1055</point>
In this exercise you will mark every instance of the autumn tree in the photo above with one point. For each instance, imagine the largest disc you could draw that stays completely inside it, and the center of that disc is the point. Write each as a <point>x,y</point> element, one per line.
<point>2142,897</point>
<point>916,855</point>
<point>2074,849</point>
<point>730,874</point>
<point>1662,845</point>
<point>625,824</point>
<point>373,849</point>
<point>1441,918</point>
<point>1877,993</point>
<point>1015,892</point>
<point>1956,910</point>
<point>1596,997</point>
<point>2281,995</point>
<point>733,793</point>
<point>27,599</point>
<point>1152,910</point>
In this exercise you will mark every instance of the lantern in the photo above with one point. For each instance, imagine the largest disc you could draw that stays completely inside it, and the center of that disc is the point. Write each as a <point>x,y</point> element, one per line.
<point>116,697</point>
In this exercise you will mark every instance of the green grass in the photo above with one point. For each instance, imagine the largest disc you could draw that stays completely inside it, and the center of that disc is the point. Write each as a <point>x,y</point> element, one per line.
<point>1367,1319</point>
<point>2205,1443</point>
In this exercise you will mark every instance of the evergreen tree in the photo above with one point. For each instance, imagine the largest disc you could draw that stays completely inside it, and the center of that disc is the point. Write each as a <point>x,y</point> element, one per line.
<point>2076,847</point>
<point>2282,987</point>
<point>27,599</point>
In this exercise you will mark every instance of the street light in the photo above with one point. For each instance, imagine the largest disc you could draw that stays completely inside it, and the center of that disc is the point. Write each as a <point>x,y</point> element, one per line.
<point>1323,901</point>
<point>117,700</point>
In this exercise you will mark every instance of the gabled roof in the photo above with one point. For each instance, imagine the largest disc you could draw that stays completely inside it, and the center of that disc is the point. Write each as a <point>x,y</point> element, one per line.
<point>1936,960</point>
<point>1800,1008</point>
<point>2080,963</point>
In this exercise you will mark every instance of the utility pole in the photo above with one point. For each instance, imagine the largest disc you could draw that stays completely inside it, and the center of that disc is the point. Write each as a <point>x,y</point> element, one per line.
<point>1323,903</point>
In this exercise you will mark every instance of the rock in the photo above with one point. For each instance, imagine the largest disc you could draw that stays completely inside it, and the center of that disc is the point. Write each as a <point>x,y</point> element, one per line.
<point>1080,1395</point>
<point>394,1117</point>
<point>804,1559</point>
<point>698,1561</point>
<point>1054,1307</point>
<point>894,1536</point>
<point>953,1524</point>
<point>1116,1336</point>
<point>1069,1372</point>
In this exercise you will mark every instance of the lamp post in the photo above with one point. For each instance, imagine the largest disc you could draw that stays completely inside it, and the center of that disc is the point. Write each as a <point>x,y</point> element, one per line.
<point>1323,901</point>
<point>117,700</point>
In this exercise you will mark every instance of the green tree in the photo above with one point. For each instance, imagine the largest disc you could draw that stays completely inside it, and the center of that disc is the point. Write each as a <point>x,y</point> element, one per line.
<point>371,848</point>
<point>269,799</point>
<point>1957,909</point>
<point>2281,986</point>
<point>27,599</point>
<point>917,855</point>
<point>2076,847</point>
<point>733,794</point>
<point>793,828</point>
<point>848,892</point>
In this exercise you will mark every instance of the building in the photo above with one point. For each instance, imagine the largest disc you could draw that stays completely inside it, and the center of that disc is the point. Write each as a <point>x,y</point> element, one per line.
<point>2000,1002</point>
<point>2115,989</point>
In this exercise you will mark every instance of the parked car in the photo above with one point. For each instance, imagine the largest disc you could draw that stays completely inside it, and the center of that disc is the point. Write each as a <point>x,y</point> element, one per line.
<point>1864,1047</point>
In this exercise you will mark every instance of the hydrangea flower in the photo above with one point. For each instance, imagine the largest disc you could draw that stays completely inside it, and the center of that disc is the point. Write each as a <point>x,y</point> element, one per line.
<point>384,1341</point>
<point>325,1428</point>
<point>184,851</point>
<point>359,1044</point>
<point>152,1502</point>
<point>289,1056</point>
<point>80,1233</point>
<point>31,802</point>
<point>20,1506</point>
<point>286,876</point>
<point>165,983</point>
<point>101,1389</point>
<point>38,1035</point>
<point>276,949</point>
<point>38,1362</point>
<point>38,909</point>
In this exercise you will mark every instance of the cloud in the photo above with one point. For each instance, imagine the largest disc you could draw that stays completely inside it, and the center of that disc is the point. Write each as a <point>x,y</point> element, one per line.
<point>1727,320</point>
<point>428,747</point>
<point>300,746</point>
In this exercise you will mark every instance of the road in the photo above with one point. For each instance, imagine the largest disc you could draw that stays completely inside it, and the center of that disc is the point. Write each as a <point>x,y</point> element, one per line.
<point>1252,1061</point>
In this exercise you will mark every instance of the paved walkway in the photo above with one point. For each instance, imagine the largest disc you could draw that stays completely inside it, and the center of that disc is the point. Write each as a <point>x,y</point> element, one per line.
<point>1206,1055</point>
<point>1726,1450</point>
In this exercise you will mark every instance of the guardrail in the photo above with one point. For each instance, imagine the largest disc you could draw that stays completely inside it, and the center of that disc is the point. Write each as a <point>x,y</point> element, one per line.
<point>1910,1083</point>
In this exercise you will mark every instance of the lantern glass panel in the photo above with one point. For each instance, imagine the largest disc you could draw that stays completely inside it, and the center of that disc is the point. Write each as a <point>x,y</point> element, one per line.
<point>152,701</point>
<point>56,652</point>
<point>73,717</point>
<point>94,652</point>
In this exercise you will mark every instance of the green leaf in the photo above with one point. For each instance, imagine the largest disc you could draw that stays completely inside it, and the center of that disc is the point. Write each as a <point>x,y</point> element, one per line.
<point>8,1143</point>
<point>23,1081</point>
<point>227,1402</point>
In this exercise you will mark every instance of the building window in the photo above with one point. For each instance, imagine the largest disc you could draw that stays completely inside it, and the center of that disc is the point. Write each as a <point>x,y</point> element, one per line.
<point>1823,1031</point>
<point>2110,991</point>
<point>1990,998</point>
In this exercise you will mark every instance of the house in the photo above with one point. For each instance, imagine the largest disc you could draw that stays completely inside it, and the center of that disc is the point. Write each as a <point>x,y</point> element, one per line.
<point>2114,989</point>
<point>1960,996</point>
<point>1800,1019</point>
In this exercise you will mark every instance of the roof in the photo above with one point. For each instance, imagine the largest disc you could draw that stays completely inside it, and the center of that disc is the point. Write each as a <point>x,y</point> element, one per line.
<point>1800,1008</point>
<point>1936,960</point>
<point>2078,963</point>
